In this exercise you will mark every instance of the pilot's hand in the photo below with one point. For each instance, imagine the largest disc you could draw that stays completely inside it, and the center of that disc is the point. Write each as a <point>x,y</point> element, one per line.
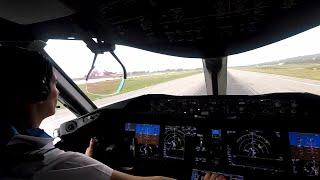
<point>213,176</point>
<point>90,149</point>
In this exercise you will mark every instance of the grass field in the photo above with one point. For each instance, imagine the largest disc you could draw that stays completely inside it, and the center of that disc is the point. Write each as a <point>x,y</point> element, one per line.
<point>307,71</point>
<point>134,83</point>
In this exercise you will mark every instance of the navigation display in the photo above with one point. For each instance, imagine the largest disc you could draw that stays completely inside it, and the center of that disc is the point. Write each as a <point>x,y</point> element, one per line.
<point>305,152</point>
<point>175,141</point>
<point>255,149</point>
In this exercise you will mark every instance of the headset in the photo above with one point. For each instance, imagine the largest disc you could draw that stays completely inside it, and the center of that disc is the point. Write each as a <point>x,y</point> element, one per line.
<point>41,92</point>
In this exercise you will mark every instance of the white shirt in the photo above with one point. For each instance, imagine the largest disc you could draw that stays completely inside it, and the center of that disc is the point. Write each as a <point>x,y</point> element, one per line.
<point>58,164</point>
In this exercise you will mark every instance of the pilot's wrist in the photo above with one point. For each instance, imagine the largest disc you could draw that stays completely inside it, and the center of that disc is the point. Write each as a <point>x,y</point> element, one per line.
<point>162,178</point>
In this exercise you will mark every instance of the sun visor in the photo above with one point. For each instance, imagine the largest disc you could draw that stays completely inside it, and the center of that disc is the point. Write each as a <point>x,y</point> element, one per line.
<point>33,11</point>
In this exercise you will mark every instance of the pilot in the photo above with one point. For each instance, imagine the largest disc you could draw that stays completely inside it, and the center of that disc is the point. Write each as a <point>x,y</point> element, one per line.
<point>29,95</point>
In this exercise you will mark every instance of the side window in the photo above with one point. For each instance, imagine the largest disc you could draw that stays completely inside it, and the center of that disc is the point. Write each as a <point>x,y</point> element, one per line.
<point>53,122</point>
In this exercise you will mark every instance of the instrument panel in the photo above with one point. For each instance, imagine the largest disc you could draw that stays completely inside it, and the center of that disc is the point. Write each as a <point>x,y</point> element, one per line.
<point>242,137</point>
<point>257,150</point>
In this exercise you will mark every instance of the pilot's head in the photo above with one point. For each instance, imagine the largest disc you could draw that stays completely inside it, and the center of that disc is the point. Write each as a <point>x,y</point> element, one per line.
<point>28,87</point>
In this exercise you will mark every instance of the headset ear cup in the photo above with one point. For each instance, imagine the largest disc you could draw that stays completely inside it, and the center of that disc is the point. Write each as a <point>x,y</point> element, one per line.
<point>43,93</point>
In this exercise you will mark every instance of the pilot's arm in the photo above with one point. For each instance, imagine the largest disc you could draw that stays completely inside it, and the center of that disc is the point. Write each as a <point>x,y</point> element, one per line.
<point>116,175</point>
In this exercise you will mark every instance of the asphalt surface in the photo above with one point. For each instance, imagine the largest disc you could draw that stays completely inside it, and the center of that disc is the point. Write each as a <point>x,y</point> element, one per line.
<point>239,83</point>
<point>251,83</point>
<point>191,85</point>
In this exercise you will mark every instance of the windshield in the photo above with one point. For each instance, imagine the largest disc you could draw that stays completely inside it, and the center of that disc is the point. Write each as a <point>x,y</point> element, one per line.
<point>290,65</point>
<point>147,72</point>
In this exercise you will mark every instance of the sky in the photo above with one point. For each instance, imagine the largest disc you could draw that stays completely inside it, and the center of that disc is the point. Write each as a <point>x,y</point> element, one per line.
<point>75,58</point>
<point>305,43</point>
